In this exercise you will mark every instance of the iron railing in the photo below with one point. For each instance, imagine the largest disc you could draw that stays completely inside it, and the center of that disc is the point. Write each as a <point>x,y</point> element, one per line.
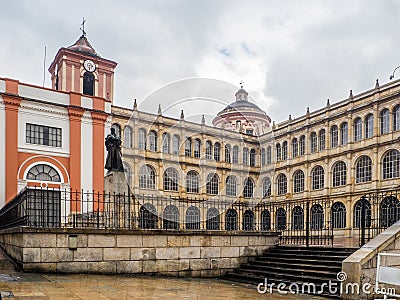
<point>305,222</point>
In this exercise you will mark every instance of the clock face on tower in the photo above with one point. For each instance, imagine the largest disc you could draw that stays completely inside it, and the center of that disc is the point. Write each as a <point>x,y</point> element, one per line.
<point>89,65</point>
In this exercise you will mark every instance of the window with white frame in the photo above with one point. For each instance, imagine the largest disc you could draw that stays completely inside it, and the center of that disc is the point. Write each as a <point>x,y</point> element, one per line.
<point>142,139</point>
<point>196,148</point>
<point>212,184</point>
<point>302,145</point>
<point>313,142</point>
<point>357,129</point>
<point>385,121</point>
<point>322,140</point>
<point>396,118</point>
<point>188,147</point>
<point>147,177</point>
<point>284,150</point>
<point>391,164</point>
<point>295,148</point>
<point>298,181</point>
<point>192,182</point>
<point>318,178</point>
<point>266,187</point>
<point>281,183</point>
<point>217,151</point>
<point>231,184</point>
<point>128,136</point>
<point>153,140</point>
<point>175,144</point>
<point>235,155</point>
<point>363,169</point>
<point>245,156</point>
<point>339,174</point>
<point>369,126</point>
<point>248,189</point>
<point>228,153</point>
<point>344,133</point>
<point>171,180</point>
<point>334,136</point>
<point>165,142</point>
<point>208,150</point>
<point>43,135</point>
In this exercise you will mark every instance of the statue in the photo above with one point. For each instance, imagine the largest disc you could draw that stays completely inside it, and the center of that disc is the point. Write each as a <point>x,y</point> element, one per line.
<point>113,146</point>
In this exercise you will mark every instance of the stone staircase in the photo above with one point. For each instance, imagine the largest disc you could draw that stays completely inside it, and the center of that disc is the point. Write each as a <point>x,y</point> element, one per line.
<point>294,266</point>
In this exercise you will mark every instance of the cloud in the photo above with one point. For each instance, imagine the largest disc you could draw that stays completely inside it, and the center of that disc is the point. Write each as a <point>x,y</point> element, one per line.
<point>290,54</point>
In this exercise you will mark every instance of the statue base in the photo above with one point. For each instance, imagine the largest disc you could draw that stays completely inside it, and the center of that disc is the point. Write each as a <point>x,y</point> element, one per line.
<point>117,200</point>
<point>115,182</point>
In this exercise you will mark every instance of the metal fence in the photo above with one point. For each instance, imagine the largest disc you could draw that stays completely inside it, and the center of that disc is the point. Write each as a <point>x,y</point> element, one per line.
<point>307,222</point>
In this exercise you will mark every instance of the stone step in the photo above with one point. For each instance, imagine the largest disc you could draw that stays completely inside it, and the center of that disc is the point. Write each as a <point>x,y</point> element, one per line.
<point>286,266</point>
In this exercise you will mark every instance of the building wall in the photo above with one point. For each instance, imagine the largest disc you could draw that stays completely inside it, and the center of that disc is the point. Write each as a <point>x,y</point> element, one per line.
<point>369,102</point>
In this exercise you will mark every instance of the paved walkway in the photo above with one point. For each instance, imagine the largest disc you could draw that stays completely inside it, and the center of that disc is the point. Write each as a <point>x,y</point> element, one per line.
<point>28,286</point>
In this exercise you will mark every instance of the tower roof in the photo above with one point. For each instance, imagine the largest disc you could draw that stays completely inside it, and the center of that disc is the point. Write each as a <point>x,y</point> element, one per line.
<point>82,45</point>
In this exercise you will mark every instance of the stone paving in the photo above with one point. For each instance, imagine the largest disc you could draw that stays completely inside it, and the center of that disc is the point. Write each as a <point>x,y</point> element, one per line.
<point>28,286</point>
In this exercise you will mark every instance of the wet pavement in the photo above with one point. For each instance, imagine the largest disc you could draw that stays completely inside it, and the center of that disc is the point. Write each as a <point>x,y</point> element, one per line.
<point>29,286</point>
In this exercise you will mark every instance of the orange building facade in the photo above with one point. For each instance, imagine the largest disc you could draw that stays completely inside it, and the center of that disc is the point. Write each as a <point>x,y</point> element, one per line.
<point>55,137</point>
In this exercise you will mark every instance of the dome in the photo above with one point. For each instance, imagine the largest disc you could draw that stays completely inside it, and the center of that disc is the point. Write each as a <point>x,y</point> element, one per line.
<point>243,116</point>
<point>82,45</point>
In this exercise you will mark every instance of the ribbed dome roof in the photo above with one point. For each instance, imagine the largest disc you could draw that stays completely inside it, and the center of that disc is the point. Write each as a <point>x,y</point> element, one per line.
<point>82,45</point>
<point>238,105</point>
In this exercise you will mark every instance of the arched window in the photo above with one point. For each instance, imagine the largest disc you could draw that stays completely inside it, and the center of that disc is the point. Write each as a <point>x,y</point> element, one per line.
<point>339,174</point>
<point>265,220</point>
<point>117,129</point>
<point>317,217</point>
<point>171,180</point>
<point>266,187</point>
<point>175,144</point>
<point>43,172</point>
<point>322,140</point>
<point>235,155</point>
<point>166,142</point>
<point>302,145</point>
<point>358,207</point>
<point>192,182</point>
<point>231,219</point>
<point>313,142</point>
<point>208,150</point>
<point>357,129</point>
<point>284,150</point>
<point>363,169</point>
<point>278,152</point>
<point>318,178</point>
<point>197,145</point>
<point>188,147</point>
<point>252,158</point>
<point>245,156</point>
<point>298,181</point>
<point>88,84</point>
<point>281,184</point>
<point>212,184</point>
<point>262,157</point>
<point>128,136</point>
<point>248,220</point>
<point>153,140</point>
<point>228,153</point>
<point>390,211</point>
<point>217,151</point>
<point>269,155</point>
<point>231,184</point>
<point>391,164</point>
<point>298,218</point>
<point>344,133</point>
<point>295,148</point>
<point>148,216</point>
<point>385,121</point>
<point>193,218</point>
<point>212,222</point>
<point>338,215</point>
<point>128,172</point>
<point>280,219</point>
<point>334,136</point>
<point>369,126</point>
<point>171,217</point>
<point>147,177</point>
<point>396,118</point>
<point>248,188</point>
<point>142,139</point>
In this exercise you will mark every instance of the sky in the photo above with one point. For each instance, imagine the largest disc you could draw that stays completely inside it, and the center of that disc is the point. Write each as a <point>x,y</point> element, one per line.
<point>290,54</point>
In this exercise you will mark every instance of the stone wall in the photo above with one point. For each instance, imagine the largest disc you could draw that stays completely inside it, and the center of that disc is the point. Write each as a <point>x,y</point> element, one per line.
<point>360,267</point>
<point>175,253</point>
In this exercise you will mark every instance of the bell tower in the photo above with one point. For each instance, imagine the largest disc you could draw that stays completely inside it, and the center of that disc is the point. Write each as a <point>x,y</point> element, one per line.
<point>79,68</point>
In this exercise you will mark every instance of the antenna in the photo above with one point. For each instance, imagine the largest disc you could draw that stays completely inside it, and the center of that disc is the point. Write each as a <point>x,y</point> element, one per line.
<point>44,66</point>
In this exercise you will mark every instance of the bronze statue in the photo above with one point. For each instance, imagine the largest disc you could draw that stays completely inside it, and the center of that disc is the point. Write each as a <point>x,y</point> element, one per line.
<point>113,146</point>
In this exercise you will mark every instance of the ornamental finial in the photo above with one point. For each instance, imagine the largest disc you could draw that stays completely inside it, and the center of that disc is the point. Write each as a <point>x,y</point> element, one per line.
<point>82,28</point>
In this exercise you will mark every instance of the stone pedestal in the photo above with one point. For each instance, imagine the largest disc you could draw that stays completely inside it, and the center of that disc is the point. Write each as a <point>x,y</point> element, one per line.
<point>117,200</point>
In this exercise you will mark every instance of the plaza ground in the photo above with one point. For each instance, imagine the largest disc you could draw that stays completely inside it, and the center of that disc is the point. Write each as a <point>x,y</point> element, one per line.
<point>29,286</point>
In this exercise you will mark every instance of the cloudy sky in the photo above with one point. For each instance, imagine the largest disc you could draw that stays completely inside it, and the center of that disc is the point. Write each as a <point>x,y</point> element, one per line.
<point>290,54</point>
